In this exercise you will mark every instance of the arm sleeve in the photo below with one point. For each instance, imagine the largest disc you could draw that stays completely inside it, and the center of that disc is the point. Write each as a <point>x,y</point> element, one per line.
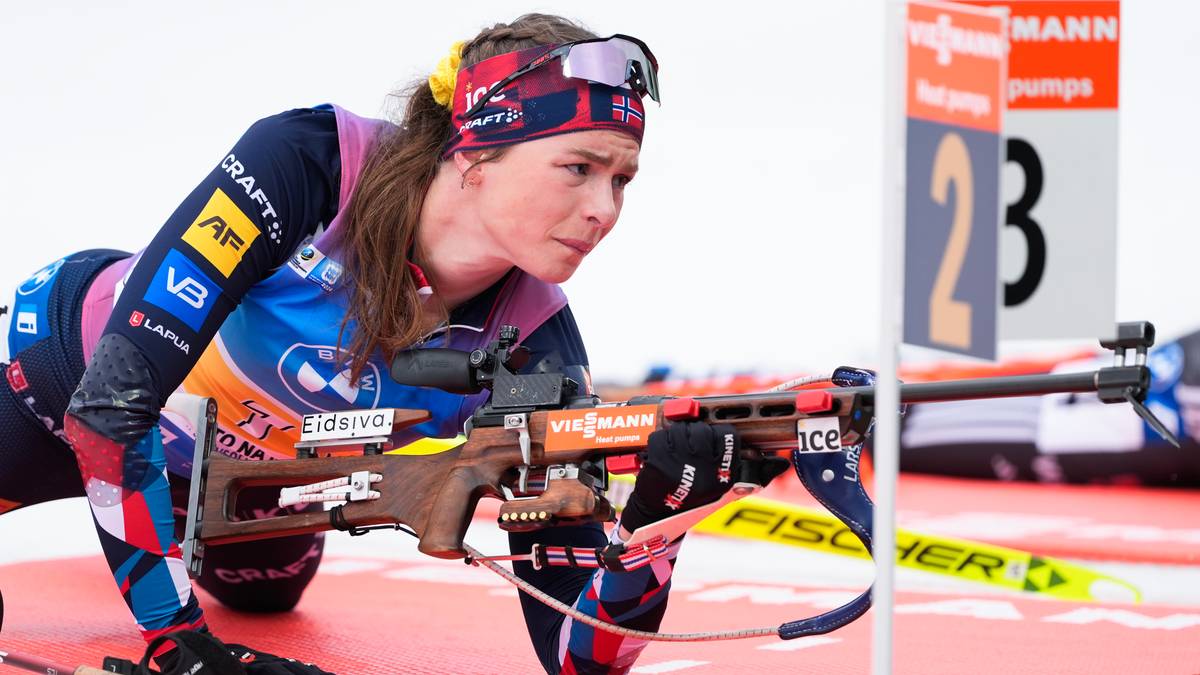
<point>275,187</point>
<point>636,599</point>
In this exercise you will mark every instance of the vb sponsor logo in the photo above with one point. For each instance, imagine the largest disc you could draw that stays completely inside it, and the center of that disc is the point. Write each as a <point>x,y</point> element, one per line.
<point>182,289</point>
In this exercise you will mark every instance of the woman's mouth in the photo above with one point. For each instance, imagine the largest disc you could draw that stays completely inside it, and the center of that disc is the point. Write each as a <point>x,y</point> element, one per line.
<point>578,245</point>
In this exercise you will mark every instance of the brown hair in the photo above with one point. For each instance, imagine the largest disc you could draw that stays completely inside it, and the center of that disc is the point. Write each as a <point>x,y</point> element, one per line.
<point>380,234</point>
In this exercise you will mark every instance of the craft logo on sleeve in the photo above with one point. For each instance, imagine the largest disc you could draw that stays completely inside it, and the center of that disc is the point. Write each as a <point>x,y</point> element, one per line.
<point>616,427</point>
<point>181,288</point>
<point>221,233</point>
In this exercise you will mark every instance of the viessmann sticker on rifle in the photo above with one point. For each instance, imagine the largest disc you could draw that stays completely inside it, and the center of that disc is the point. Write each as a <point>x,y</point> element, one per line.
<point>617,427</point>
<point>348,424</point>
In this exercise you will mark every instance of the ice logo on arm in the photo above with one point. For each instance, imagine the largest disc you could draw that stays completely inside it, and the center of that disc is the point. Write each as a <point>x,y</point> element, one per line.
<point>315,376</point>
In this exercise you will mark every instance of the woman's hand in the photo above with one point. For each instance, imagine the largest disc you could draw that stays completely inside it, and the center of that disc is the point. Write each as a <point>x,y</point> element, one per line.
<point>688,464</point>
<point>199,653</point>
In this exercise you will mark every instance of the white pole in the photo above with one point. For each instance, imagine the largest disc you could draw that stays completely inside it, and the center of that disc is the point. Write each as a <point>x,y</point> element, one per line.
<point>887,390</point>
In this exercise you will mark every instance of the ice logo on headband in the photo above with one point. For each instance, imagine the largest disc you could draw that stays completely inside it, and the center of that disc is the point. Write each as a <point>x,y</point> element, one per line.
<point>472,97</point>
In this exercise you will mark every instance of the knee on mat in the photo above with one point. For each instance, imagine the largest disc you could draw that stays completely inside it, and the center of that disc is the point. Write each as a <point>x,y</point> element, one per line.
<point>262,576</point>
<point>258,599</point>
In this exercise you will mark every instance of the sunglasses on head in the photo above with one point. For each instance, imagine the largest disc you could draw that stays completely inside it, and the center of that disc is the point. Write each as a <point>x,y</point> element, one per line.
<point>617,61</point>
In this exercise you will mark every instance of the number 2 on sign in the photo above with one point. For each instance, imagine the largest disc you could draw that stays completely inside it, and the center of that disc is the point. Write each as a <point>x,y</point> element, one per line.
<point>950,319</point>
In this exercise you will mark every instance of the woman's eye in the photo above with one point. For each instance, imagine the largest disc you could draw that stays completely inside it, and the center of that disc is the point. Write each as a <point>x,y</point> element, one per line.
<point>620,182</point>
<point>578,169</point>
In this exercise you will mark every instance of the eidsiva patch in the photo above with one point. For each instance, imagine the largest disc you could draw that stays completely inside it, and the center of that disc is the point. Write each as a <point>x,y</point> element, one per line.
<point>183,290</point>
<point>221,233</point>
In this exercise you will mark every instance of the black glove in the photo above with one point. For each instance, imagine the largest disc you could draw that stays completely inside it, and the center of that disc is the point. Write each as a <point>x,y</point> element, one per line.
<point>199,653</point>
<point>688,464</point>
<point>260,663</point>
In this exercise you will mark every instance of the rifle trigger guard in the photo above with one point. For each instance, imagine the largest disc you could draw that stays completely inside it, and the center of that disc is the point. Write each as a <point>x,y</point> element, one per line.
<point>520,423</point>
<point>826,476</point>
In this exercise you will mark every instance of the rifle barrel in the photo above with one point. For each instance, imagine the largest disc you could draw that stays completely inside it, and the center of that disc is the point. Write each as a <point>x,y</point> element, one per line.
<point>990,387</point>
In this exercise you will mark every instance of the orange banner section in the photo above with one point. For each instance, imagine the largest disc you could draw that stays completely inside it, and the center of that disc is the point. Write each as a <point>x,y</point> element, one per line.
<point>616,427</point>
<point>956,59</point>
<point>1065,54</point>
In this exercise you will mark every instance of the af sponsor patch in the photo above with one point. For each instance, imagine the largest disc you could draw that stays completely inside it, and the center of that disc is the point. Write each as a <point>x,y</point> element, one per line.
<point>616,427</point>
<point>181,288</point>
<point>221,233</point>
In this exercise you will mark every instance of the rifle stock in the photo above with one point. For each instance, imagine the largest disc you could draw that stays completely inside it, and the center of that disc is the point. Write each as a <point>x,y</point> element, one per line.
<point>476,473</point>
<point>436,495</point>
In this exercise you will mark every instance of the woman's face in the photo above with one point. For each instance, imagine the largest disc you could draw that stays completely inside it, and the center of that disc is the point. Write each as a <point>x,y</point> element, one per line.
<point>548,202</point>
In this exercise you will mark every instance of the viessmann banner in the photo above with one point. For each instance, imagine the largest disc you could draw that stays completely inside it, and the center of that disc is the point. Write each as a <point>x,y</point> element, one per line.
<point>956,58</point>
<point>1058,244</point>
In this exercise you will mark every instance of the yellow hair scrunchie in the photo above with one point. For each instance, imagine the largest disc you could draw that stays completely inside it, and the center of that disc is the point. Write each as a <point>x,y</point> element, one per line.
<point>445,76</point>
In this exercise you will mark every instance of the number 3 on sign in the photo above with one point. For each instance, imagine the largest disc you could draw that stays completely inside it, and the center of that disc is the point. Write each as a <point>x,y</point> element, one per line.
<point>950,319</point>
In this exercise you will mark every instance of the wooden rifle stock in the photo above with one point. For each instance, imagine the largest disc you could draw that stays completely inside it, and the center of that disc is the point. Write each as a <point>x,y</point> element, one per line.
<point>436,495</point>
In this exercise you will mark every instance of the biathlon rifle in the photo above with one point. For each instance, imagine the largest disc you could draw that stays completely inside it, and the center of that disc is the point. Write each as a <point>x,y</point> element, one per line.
<point>546,447</point>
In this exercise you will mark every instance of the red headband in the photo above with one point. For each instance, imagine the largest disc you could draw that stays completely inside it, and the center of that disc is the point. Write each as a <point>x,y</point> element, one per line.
<point>537,104</point>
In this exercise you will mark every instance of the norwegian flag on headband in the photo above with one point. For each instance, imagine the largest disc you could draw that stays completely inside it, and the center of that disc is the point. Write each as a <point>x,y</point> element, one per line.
<point>628,109</point>
<point>537,104</point>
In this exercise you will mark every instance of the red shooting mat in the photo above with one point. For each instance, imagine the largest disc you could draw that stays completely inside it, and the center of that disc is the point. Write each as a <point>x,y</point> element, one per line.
<point>1095,522</point>
<point>379,616</point>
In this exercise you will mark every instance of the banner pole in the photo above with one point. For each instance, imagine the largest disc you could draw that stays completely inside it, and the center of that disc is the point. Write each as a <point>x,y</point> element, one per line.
<point>887,395</point>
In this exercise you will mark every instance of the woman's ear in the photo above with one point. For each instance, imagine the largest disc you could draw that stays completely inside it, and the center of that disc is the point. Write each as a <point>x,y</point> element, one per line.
<point>468,164</point>
<point>463,161</point>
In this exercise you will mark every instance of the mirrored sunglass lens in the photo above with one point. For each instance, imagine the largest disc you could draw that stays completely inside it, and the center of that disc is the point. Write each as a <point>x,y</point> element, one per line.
<point>601,62</point>
<point>610,62</point>
<point>637,54</point>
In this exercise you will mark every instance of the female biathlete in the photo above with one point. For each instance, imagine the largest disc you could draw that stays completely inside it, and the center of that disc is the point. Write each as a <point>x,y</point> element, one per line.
<point>316,248</point>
